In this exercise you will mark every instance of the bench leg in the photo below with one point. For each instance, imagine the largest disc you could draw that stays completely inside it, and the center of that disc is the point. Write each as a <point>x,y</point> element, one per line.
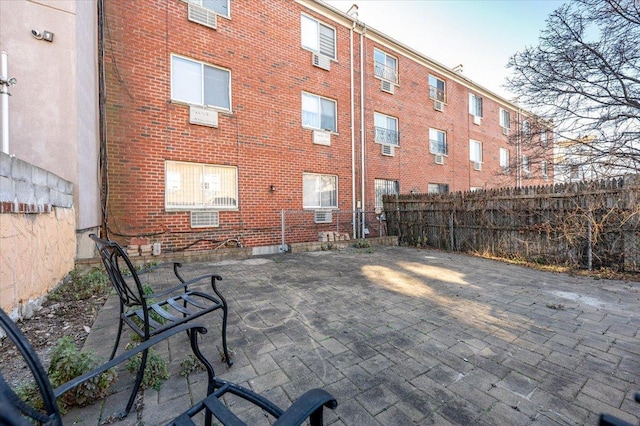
<point>115,346</point>
<point>136,385</point>
<point>224,334</point>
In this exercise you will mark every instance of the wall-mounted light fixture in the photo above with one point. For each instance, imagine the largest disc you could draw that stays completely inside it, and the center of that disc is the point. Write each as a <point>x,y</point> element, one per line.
<point>272,187</point>
<point>44,35</point>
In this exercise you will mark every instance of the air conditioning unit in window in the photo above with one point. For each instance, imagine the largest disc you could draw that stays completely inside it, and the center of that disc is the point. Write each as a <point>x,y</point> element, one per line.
<point>321,61</point>
<point>205,219</point>
<point>322,137</point>
<point>203,16</point>
<point>387,86</point>
<point>322,216</point>
<point>388,150</point>
<point>438,106</point>
<point>505,131</point>
<point>439,159</point>
<point>477,120</point>
<point>477,165</point>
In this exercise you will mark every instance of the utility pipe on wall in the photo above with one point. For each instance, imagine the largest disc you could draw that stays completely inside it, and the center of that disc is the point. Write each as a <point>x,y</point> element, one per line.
<point>5,83</point>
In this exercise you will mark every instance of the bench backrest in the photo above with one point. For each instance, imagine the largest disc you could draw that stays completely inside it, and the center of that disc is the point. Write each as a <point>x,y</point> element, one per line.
<point>50,415</point>
<point>117,264</point>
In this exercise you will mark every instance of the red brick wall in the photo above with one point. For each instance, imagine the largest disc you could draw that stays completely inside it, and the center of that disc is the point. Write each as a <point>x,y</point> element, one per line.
<point>262,136</point>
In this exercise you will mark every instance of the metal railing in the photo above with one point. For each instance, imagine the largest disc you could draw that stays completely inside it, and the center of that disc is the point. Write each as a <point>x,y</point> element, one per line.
<point>386,136</point>
<point>386,72</point>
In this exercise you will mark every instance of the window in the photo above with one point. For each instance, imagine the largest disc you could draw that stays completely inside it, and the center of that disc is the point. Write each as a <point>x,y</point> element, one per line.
<point>526,165</point>
<point>191,186</point>
<point>526,129</point>
<point>475,151</point>
<point>318,37</point>
<point>200,84</point>
<point>504,159</point>
<point>475,105</point>
<point>437,142</point>
<point>385,187</point>
<point>318,113</point>
<point>319,191</point>
<point>385,66</point>
<point>543,138</point>
<point>221,7</point>
<point>386,129</point>
<point>438,188</point>
<point>437,89</point>
<point>544,168</point>
<point>505,119</point>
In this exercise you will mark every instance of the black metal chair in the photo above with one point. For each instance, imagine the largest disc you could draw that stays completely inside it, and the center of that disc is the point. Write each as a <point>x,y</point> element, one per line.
<point>150,314</point>
<point>15,412</point>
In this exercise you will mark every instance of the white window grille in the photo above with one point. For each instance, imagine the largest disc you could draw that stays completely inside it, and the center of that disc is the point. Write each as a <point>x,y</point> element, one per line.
<point>437,142</point>
<point>386,129</point>
<point>438,188</point>
<point>437,89</point>
<point>385,66</point>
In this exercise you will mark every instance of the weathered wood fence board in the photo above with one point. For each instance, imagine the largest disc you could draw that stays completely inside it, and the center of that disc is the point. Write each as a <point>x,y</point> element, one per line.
<point>586,224</point>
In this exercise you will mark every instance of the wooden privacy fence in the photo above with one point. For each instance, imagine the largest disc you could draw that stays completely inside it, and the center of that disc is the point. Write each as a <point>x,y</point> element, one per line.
<point>586,224</point>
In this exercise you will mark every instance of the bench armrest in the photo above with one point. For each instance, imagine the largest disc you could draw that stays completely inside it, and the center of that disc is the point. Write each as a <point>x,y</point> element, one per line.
<point>308,405</point>
<point>195,329</point>
<point>183,285</point>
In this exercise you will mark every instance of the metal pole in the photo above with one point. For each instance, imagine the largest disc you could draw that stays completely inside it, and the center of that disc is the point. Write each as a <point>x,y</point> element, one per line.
<point>4,93</point>
<point>451,230</point>
<point>282,249</point>
<point>589,245</point>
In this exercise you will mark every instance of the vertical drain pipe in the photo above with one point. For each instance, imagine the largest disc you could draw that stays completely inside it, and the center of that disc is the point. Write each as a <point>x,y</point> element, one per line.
<point>5,83</point>
<point>353,137</point>
<point>362,130</point>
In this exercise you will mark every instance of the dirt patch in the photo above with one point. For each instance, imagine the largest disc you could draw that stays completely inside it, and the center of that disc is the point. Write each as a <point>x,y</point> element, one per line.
<point>56,318</point>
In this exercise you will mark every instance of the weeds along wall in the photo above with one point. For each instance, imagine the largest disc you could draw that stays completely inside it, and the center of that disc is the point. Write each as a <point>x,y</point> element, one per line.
<point>585,225</point>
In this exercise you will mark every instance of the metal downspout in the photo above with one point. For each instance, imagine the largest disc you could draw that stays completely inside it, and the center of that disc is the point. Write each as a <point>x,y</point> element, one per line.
<point>362,130</point>
<point>353,137</point>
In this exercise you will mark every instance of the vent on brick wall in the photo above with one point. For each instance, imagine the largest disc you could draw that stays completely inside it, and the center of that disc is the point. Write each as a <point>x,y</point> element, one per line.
<point>322,216</point>
<point>388,150</point>
<point>322,137</point>
<point>387,86</point>
<point>438,106</point>
<point>205,219</point>
<point>439,159</point>
<point>203,16</point>
<point>321,61</point>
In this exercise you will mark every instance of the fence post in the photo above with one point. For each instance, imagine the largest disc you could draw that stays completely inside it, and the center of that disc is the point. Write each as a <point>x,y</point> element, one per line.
<point>282,245</point>
<point>451,230</point>
<point>589,247</point>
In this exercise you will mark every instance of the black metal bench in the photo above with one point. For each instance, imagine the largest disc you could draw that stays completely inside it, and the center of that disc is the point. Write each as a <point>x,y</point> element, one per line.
<point>151,314</point>
<point>14,411</point>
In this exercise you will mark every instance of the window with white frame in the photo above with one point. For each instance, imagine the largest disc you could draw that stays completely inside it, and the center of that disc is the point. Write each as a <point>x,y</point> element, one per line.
<point>475,151</point>
<point>505,119</point>
<point>190,186</point>
<point>385,66</point>
<point>437,89</point>
<point>438,188</point>
<point>475,105</point>
<point>544,168</point>
<point>386,129</point>
<point>197,83</point>
<point>318,112</point>
<point>437,142</point>
<point>526,128</point>
<point>221,7</point>
<point>543,138</point>
<point>385,187</point>
<point>318,37</point>
<point>504,159</point>
<point>319,191</point>
<point>526,165</point>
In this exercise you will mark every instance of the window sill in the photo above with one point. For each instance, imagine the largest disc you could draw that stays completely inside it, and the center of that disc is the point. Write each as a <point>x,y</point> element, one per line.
<point>320,130</point>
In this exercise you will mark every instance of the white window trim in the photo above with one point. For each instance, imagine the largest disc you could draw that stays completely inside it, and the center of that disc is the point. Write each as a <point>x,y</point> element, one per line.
<point>397,77</point>
<point>502,124</point>
<point>507,157</point>
<point>396,130</point>
<point>335,38</point>
<point>472,103</point>
<point>173,99</point>
<point>446,153</point>
<point>174,207</point>
<point>335,110</point>
<point>444,90</point>
<point>199,3</point>
<point>320,207</point>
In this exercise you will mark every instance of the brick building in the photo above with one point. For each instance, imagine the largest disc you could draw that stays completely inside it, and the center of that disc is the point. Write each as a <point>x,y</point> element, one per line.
<point>222,114</point>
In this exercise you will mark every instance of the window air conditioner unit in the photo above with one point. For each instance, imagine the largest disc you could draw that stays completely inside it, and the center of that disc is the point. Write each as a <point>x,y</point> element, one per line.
<point>321,61</point>
<point>203,16</point>
<point>438,106</point>
<point>388,150</point>
<point>322,216</point>
<point>439,159</point>
<point>477,165</point>
<point>387,86</point>
<point>205,219</point>
<point>477,120</point>
<point>322,137</point>
<point>505,131</point>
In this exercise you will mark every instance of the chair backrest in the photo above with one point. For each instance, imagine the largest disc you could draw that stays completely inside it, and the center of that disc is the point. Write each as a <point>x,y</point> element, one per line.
<point>12,403</point>
<point>117,263</point>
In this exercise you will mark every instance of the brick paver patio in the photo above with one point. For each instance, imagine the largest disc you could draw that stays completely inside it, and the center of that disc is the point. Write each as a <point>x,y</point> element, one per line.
<point>404,336</point>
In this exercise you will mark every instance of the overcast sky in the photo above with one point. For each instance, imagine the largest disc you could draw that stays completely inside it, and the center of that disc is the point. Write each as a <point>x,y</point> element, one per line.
<point>480,34</point>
